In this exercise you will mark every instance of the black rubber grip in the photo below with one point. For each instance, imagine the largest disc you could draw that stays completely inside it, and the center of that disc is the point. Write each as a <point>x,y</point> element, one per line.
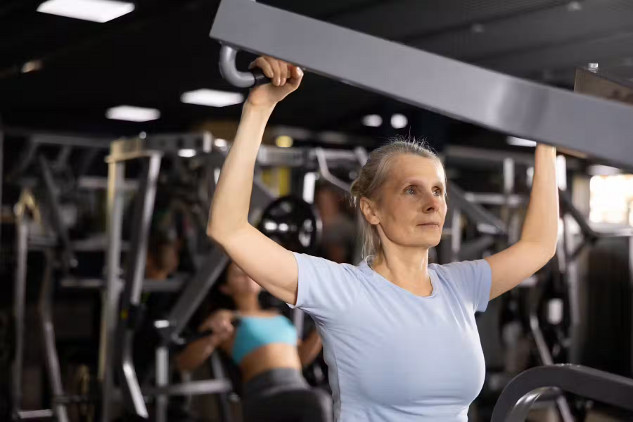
<point>260,78</point>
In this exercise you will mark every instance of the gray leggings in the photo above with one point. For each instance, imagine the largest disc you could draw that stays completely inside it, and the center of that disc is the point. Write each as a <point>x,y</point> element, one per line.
<point>283,395</point>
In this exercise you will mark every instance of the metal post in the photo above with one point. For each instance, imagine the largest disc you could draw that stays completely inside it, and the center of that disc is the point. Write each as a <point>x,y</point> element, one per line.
<point>61,233</point>
<point>48,334</point>
<point>21,247</point>
<point>162,380</point>
<point>134,275</point>
<point>456,233</point>
<point>508,187</point>
<point>116,173</point>
<point>218,373</point>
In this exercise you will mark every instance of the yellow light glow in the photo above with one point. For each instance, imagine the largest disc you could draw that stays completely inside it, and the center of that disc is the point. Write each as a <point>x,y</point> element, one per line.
<point>283,141</point>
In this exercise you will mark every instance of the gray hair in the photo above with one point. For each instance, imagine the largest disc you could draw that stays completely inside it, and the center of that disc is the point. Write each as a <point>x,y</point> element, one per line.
<point>374,174</point>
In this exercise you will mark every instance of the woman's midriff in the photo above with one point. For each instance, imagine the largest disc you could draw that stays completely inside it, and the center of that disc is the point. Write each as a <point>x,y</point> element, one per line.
<point>271,356</point>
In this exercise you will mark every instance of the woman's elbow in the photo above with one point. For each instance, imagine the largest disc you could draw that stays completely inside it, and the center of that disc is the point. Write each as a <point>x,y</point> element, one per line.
<point>217,234</point>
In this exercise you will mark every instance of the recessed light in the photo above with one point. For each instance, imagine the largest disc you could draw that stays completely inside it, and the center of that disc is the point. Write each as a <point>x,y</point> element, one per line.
<point>31,66</point>
<point>90,10</point>
<point>398,121</point>
<point>520,142</point>
<point>212,98</point>
<point>372,120</point>
<point>132,114</point>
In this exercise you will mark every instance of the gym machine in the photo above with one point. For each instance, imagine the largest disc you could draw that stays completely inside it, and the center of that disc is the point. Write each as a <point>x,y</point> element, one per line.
<point>515,400</point>
<point>499,102</point>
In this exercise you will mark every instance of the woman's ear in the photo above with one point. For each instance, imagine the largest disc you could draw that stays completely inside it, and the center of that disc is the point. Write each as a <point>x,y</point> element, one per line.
<point>368,208</point>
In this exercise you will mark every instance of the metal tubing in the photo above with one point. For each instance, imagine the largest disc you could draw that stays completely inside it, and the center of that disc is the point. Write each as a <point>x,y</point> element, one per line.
<point>116,172</point>
<point>48,334</point>
<point>230,72</point>
<point>68,256</point>
<point>192,388</point>
<point>134,275</point>
<point>218,373</point>
<point>162,380</point>
<point>485,221</point>
<point>21,239</point>
<point>586,382</point>
<point>490,99</point>
<point>195,292</point>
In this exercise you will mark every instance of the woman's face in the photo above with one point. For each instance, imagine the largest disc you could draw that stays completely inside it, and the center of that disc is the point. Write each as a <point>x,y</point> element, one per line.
<point>238,283</point>
<point>411,205</point>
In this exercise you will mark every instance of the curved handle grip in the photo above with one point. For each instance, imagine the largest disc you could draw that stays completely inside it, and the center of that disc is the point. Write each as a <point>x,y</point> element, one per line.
<point>229,71</point>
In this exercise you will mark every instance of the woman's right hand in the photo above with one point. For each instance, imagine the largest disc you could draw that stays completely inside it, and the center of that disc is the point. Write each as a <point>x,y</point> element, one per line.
<point>285,78</point>
<point>220,323</point>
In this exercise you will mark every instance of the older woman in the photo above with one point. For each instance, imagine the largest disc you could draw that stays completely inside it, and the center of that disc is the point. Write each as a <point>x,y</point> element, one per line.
<point>399,334</point>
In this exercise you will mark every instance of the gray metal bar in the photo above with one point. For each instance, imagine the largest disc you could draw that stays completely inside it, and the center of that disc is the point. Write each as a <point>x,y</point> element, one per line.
<point>472,154</point>
<point>70,140</point>
<point>486,222</point>
<point>513,200</point>
<point>586,382</point>
<point>134,275</point>
<point>325,171</point>
<point>194,293</point>
<point>456,233</point>
<point>21,248</point>
<point>68,256</point>
<point>48,334</point>
<point>150,286</point>
<point>473,250</point>
<point>162,380</point>
<point>218,373</point>
<point>522,408</point>
<point>546,359</point>
<point>61,160</point>
<point>192,388</point>
<point>24,415</point>
<point>230,72</point>
<point>500,102</point>
<point>116,172</point>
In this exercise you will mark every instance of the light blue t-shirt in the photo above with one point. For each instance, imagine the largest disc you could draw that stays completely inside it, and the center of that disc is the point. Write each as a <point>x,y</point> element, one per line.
<point>392,355</point>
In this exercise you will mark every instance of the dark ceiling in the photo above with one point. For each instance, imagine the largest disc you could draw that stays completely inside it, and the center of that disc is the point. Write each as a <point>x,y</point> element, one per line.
<point>162,49</point>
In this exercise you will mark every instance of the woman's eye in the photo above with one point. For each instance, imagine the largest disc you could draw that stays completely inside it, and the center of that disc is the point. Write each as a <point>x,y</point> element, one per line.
<point>438,192</point>
<point>410,190</point>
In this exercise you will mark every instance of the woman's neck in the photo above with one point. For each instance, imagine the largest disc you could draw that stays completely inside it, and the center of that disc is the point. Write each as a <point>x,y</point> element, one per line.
<point>406,267</point>
<point>246,304</point>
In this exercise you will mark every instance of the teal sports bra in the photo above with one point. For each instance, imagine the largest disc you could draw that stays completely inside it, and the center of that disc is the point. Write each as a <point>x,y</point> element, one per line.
<point>255,332</point>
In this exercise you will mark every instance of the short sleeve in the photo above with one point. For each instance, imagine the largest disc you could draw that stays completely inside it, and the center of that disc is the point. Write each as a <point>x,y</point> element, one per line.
<point>473,279</point>
<point>325,289</point>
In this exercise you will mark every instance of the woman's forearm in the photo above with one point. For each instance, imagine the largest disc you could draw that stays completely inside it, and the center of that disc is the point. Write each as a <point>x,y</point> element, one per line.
<point>541,221</point>
<point>231,200</point>
<point>194,354</point>
<point>310,348</point>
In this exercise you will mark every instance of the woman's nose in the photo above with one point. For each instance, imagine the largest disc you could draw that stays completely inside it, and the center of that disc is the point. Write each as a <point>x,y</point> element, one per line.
<point>431,202</point>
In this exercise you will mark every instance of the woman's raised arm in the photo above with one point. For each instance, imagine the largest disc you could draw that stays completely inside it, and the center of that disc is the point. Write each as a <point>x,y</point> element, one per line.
<point>269,264</point>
